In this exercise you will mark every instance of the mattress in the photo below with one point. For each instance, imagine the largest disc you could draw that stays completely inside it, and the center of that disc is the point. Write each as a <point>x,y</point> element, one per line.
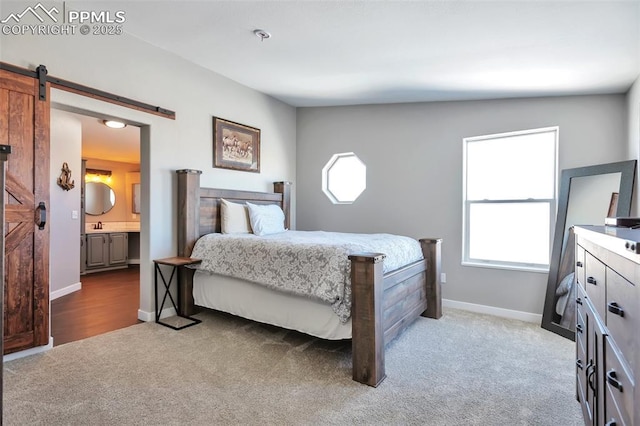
<point>312,264</point>
<point>259,303</point>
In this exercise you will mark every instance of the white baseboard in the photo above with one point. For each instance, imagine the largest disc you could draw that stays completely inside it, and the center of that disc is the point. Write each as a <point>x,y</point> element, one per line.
<point>64,291</point>
<point>151,316</point>
<point>133,261</point>
<point>27,352</point>
<point>492,310</point>
<point>146,316</point>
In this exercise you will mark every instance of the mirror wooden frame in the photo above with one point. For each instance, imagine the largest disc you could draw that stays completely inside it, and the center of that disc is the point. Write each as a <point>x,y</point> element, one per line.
<point>627,169</point>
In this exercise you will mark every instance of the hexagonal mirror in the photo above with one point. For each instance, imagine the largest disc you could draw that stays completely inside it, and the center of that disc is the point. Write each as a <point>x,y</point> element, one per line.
<point>344,178</point>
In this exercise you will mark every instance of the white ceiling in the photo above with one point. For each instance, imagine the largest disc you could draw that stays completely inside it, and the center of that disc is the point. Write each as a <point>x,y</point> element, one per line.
<point>359,52</point>
<point>346,52</point>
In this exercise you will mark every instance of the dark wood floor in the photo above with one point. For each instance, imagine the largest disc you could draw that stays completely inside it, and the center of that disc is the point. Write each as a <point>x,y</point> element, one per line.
<point>107,301</point>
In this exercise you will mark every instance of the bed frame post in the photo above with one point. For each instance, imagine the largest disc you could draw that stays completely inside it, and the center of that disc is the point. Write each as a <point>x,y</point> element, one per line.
<point>188,232</point>
<point>284,188</point>
<point>366,311</point>
<point>432,252</point>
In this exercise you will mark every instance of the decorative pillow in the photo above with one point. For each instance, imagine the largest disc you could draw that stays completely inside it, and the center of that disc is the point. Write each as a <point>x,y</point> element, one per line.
<point>266,219</point>
<point>235,218</point>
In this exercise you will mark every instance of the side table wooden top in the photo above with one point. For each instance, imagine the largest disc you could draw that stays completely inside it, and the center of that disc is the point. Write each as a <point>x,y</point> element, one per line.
<point>178,261</point>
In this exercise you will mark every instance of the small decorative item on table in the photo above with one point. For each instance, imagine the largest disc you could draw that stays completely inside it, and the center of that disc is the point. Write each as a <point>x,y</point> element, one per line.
<point>176,264</point>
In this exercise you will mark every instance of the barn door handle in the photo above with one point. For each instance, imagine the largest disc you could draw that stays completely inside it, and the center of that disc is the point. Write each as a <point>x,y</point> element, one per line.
<point>41,215</point>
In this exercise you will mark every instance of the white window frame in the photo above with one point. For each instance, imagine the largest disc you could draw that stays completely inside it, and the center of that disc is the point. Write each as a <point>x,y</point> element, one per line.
<point>466,205</point>
<point>326,171</point>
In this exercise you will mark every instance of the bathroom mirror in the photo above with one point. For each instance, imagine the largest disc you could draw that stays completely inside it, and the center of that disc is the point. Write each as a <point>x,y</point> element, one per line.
<point>587,196</point>
<point>99,198</point>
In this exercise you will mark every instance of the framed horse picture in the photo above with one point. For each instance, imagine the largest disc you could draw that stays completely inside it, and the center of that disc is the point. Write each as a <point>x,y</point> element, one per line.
<point>235,146</point>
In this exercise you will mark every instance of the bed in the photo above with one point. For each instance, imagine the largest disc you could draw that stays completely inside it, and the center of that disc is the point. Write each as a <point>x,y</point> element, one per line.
<point>382,303</point>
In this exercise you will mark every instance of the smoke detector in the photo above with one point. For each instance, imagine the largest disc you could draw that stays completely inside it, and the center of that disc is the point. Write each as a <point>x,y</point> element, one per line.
<point>262,34</point>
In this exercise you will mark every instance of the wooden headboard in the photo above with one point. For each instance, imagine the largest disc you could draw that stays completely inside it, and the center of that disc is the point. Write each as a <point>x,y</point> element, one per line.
<point>199,208</point>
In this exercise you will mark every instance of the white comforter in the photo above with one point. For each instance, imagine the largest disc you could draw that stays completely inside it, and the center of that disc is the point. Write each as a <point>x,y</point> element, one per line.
<point>307,263</point>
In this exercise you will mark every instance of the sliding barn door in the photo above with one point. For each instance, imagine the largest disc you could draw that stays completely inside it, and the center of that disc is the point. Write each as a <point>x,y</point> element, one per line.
<point>24,125</point>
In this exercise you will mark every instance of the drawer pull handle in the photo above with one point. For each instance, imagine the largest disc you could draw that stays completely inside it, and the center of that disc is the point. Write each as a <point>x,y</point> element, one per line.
<point>611,422</point>
<point>612,379</point>
<point>579,300</point>
<point>579,328</point>
<point>579,364</point>
<point>614,308</point>
<point>591,280</point>
<point>579,264</point>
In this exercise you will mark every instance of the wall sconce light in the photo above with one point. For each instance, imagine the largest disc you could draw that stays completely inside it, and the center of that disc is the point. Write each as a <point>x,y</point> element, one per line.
<point>114,124</point>
<point>99,172</point>
<point>97,175</point>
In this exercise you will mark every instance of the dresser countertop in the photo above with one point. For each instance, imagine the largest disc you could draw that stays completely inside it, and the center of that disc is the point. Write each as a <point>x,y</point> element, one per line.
<point>622,241</point>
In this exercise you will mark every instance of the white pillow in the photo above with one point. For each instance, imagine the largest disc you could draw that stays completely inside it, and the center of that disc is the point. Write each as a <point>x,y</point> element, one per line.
<point>266,219</point>
<point>235,218</point>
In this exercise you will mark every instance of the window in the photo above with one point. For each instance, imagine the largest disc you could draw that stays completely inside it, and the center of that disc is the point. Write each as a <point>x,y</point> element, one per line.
<point>510,199</point>
<point>344,178</point>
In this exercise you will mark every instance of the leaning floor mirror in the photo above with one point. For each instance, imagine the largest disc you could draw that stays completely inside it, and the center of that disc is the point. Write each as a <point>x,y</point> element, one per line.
<point>587,196</point>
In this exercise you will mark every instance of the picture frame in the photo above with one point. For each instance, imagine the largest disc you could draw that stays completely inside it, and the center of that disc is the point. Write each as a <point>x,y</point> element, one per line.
<point>235,146</point>
<point>135,198</point>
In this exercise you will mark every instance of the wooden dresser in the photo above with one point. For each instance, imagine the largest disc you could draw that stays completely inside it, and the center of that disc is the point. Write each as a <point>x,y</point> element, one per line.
<point>608,324</point>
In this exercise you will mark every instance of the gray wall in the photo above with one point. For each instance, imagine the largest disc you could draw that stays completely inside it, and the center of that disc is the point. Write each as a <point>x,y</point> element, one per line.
<point>413,154</point>
<point>66,146</point>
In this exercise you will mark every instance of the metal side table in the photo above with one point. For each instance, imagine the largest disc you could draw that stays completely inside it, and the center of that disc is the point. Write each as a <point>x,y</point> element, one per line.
<point>176,264</point>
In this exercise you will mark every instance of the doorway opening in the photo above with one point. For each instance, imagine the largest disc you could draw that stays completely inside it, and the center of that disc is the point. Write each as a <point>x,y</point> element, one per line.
<point>95,280</point>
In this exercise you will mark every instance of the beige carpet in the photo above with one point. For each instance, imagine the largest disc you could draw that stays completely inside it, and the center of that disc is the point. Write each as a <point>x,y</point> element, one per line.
<point>464,369</point>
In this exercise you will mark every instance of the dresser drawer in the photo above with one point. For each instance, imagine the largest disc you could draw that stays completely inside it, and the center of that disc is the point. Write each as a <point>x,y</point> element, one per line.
<point>580,276</point>
<point>595,282</point>
<point>581,329</point>
<point>582,368</point>
<point>581,345</point>
<point>622,316</point>
<point>612,414</point>
<point>581,323</point>
<point>619,388</point>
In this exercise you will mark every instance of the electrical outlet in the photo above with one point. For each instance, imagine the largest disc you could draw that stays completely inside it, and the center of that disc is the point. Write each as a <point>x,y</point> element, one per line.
<point>74,214</point>
<point>443,277</point>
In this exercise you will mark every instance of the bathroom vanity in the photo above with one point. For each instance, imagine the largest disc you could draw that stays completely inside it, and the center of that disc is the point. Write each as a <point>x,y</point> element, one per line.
<point>108,248</point>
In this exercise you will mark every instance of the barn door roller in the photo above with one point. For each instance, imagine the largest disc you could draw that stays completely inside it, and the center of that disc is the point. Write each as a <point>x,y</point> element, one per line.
<point>42,82</point>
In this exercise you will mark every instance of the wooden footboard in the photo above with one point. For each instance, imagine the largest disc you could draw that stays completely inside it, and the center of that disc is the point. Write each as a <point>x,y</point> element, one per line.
<point>382,305</point>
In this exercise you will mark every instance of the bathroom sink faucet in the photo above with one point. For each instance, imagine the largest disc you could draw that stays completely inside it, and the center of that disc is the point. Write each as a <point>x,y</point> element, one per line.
<point>97,225</point>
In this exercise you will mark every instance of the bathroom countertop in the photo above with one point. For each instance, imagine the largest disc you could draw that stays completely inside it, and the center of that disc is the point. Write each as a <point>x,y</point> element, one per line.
<point>113,227</point>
